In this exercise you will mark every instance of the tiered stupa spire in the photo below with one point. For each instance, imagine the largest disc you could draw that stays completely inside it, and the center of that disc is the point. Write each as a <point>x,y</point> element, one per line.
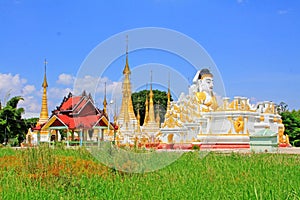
<point>126,113</point>
<point>151,127</point>
<point>44,110</point>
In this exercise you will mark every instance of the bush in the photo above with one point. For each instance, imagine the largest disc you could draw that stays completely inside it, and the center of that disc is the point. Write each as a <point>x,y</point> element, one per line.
<point>195,147</point>
<point>13,142</point>
<point>296,143</point>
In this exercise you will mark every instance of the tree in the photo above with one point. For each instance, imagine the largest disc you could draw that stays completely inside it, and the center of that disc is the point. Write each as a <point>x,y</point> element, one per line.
<point>291,121</point>
<point>160,100</point>
<point>12,126</point>
<point>282,107</point>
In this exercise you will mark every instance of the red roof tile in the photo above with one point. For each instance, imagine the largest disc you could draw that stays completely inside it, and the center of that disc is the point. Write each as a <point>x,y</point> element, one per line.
<point>70,103</point>
<point>79,122</point>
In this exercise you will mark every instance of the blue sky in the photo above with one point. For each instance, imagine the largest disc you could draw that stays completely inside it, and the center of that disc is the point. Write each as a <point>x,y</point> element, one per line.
<point>254,44</point>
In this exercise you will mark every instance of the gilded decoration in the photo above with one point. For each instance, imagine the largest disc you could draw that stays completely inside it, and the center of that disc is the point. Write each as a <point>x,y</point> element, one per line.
<point>171,120</point>
<point>239,124</point>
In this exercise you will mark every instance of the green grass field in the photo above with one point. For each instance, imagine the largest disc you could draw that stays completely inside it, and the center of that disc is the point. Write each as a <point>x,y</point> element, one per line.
<point>47,173</point>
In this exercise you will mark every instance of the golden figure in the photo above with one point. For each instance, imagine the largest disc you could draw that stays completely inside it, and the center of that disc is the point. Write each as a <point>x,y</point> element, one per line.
<point>170,121</point>
<point>282,138</point>
<point>239,124</point>
<point>170,138</point>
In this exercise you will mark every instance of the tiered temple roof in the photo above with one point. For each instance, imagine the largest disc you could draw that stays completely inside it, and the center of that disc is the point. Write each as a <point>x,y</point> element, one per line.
<point>78,112</point>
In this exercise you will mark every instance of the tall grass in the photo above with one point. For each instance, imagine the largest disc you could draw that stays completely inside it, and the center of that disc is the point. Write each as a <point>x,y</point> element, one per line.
<point>46,173</point>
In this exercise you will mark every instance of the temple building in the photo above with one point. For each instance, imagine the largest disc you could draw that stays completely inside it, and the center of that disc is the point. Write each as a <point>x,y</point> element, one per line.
<point>80,119</point>
<point>197,118</point>
<point>76,119</point>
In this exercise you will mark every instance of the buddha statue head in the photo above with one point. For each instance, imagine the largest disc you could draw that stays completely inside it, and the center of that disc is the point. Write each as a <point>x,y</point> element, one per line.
<point>205,81</point>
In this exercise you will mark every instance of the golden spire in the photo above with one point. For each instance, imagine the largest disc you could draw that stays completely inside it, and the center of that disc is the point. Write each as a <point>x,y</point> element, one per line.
<point>104,101</point>
<point>126,113</point>
<point>146,111</point>
<point>157,116</point>
<point>126,69</point>
<point>169,95</point>
<point>138,117</point>
<point>151,107</point>
<point>45,84</point>
<point>44,110</point>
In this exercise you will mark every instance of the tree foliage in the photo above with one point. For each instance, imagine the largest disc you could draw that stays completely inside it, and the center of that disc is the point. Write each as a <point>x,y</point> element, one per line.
<point>12,126</point>
<point>282,107</point>
<point>291,121</point>
<point>160,100</point>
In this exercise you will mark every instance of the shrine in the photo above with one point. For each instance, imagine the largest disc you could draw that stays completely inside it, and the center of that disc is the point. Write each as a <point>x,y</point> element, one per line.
<point>195,119</point>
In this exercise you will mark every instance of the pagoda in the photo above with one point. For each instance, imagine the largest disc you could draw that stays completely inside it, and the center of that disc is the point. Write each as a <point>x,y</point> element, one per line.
<point>151,125</point>
<point>37,135</point>
<point>127,122</point>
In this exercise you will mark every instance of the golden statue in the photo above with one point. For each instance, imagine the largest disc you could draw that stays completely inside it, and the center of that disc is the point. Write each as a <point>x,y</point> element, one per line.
<point>282,138</point>
<point>171,121</point>
<point>239,124</point>
<point>170,138</point>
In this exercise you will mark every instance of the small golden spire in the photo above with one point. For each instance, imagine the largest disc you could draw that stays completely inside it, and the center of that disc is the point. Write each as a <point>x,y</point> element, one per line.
<point>104,101</point>
<point>157,115</point>
<point>138,117</point>
<point>44,109</point>
<point>151,107</point>
<point>126,69</point>
<point>45,84</point>
<point>146,111</point>
<point>169,95</point>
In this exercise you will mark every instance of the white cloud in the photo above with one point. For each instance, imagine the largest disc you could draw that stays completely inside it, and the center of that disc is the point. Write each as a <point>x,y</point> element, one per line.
<point>96,86</point>
<point>58,93</point>
<point>12,84</point>
<point>65,79</point>
<point>28,89</point>
<point>30,104</point>
<point>16,85</point>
